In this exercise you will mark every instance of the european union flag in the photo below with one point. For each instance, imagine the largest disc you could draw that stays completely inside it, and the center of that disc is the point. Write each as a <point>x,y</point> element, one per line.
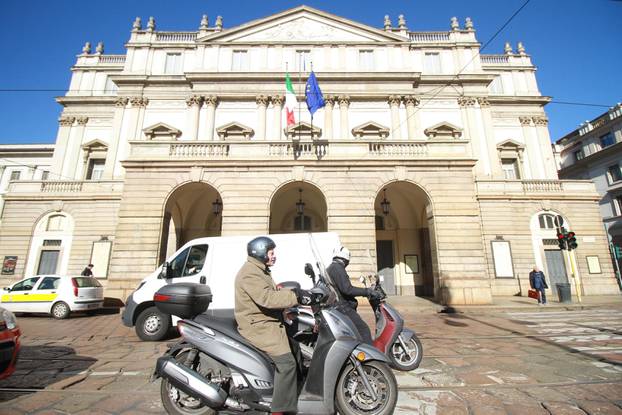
<point>313,95</point>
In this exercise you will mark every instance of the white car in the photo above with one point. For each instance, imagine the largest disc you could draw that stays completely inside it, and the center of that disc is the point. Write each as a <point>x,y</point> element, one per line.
<point>58,295</point>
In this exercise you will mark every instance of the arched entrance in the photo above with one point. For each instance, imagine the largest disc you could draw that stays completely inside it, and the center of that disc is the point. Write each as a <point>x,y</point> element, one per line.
<point>193,210</point>
<point>298,207</point>
<point>404,246</point>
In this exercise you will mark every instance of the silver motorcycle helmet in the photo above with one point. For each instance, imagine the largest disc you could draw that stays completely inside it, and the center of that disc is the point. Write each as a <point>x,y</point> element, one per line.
<point>258,248</point>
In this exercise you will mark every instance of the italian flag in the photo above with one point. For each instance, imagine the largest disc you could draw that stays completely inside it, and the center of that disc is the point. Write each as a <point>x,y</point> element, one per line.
<point>290,101</point>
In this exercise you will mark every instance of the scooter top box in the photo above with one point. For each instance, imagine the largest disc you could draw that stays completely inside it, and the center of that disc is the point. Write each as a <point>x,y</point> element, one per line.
<point>184,300</point>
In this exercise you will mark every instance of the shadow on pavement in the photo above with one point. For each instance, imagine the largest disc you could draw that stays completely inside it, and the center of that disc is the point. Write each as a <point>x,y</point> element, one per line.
<point>38,367</point>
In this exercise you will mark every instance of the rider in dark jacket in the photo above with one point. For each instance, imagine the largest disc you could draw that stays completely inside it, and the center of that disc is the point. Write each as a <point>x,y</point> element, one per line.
<point>347,292</point>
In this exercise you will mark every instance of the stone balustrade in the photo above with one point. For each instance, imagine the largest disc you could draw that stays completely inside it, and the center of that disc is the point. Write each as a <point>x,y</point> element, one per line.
<point>429,37</point>
<point>287,150</point>
<point>521,188</point>
<point>494,59</point>
<point>68,187</point>
<point>112,59</point>
<point>176,37</point>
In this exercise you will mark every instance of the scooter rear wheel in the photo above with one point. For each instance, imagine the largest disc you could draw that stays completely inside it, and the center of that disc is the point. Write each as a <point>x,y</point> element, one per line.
<point>409,359</point>
<point>176,402</point>
<point>352,398</point>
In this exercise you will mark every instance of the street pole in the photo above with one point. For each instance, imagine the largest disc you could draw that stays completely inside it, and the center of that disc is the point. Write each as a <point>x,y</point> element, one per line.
<point>575,277</point>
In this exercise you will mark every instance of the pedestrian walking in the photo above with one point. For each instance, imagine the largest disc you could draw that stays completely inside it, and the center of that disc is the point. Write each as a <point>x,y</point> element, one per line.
<point>538,283</point>
<point>88,271</point>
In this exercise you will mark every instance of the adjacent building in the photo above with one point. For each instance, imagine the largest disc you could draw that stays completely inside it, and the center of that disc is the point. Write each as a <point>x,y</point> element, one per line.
<point>594,152</point>
<point>432,161</point>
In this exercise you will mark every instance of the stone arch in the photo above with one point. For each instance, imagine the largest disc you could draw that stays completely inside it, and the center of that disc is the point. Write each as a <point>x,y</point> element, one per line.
<point>406,250</point>
<point>285,202</point>
<point>50,245</point>
<point>192,209</point>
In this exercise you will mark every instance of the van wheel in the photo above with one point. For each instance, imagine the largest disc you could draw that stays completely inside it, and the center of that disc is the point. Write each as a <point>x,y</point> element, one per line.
<point>152,325</point>
<point>60,310</point>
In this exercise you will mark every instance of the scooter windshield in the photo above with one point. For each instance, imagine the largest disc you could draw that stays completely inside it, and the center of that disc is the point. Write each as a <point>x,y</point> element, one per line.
<point>324,277</point>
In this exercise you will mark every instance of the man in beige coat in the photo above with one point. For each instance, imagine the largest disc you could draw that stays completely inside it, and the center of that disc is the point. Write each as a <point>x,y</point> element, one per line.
<point>259,309</point>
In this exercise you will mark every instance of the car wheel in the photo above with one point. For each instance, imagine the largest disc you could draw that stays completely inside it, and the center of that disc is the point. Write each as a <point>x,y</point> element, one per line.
<point>60,310</point>
<point>152,325</point>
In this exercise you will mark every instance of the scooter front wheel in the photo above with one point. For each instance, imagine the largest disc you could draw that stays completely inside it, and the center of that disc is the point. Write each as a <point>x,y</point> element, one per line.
<point>353,398</point>
<point>406,359</point>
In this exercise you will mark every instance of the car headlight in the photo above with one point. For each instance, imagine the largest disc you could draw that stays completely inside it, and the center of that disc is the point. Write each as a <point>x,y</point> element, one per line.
<point>9,319</point>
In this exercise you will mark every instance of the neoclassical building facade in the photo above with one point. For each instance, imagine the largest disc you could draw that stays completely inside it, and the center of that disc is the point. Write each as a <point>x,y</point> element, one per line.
<point>432,161</point>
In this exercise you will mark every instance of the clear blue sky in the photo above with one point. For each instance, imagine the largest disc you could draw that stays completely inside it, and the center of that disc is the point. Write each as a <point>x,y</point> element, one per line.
<point>574,43</point>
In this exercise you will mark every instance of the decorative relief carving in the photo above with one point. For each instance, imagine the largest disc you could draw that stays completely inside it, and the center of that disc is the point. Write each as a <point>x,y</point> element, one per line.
<point>66,121</point>
<point>394,100</point>
<point>540,121</point>
<point>82,120</point>
<point>261,100</point>
<point>466,101</point>
<point>121,102</point>
<point>344,100</point>
<point>211,100</point>
<point>277,100</point>
<point>194,100</point>
<point>483,102</point>
<point>140,102</point>
<point>411,100</point>
<point>524,120</point>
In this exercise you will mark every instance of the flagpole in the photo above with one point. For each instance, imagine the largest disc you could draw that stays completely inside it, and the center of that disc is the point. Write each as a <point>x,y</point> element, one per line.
<point>311,113</point>
<point>299,91</point>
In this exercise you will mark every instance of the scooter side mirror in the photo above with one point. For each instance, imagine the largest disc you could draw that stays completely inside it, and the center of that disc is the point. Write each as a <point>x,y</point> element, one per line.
<point>309,269</point>
<point>164,273</point>
<point>381,278</point>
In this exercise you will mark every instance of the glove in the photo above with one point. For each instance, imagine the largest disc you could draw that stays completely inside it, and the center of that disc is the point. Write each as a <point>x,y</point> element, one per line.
<point>305,297</point>
<point>373,294</point>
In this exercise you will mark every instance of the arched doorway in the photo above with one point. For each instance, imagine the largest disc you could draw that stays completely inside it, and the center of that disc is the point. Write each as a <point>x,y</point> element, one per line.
<point>298,207</point>
<point>548,256</point>
<point>193,210</point>
<point>404,245</point>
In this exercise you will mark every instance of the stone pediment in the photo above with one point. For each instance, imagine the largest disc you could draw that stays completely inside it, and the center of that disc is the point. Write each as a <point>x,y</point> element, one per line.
<point>95,145</point>
<point>443,130</point>
<point>510,145</point>
<point>161,131</point>
<point>370,129</point>
<point>303,24</point>
<point>235,131</point>
<point>303,130</point>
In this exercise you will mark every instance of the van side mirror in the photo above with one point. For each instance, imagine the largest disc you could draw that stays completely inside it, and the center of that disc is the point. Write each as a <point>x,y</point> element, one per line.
<point>166,267</point>
<point>7,288</point>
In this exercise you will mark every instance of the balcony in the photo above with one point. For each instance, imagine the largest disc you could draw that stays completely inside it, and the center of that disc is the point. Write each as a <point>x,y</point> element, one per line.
<point>285,150</point>
<point>492,189</point>
<point>67,189</point>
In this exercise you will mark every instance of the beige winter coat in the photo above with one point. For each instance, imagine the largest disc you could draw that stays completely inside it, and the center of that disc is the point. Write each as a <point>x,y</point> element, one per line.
<point>259,306</point>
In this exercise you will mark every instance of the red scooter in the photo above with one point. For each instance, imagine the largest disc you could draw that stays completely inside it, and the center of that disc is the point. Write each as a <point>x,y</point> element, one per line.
<point>398,343</point>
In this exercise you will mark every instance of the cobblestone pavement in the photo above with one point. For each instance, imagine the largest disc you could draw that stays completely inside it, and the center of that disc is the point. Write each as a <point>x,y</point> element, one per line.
<point>546,362</point>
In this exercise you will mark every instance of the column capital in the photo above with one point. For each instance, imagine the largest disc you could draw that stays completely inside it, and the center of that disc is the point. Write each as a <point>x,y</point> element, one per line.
<point>140,102</point>
<point>411,100</point>
<point>211,100</point>
<point>394,100</point>
<point>121,102</point>
<point>82,120</point>
<point>194,100</point>
<point>483,102</point>
<point>344,100</point>
<point>261,100</point>
<point>524,121</point>
<point>66,121</point>
<point>329,100</point>
<point>540,120</point>
<point>277,100</point>
<point>466,101</point>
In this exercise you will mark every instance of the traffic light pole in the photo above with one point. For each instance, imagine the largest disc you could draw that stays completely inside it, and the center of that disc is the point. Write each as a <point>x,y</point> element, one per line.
<point>575,277</point>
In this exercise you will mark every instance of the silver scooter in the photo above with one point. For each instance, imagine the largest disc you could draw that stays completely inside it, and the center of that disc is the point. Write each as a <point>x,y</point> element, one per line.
<point>213,368</point>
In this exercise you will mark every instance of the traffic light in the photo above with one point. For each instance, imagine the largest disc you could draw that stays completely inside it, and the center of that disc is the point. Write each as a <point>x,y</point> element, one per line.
<point>561,240</point>
<point>572,241</point>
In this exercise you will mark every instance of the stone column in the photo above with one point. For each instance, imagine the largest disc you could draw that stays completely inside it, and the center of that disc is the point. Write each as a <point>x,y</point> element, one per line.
<point>467,105</point>
<point>344,103</point>
<point>138,105</point>
<point>262,103</point>
<point>194,104</point>
<point>277,116</point>
<point>493,156</point>
<point>211,102</point>
<point>394,103</point>
<point>73,150</point>
<point>60,149</point>
<point>533,149</point>
<point>328,117</point>
<point>548,161</point>
<point>411,102</point>
<point>117,123</point>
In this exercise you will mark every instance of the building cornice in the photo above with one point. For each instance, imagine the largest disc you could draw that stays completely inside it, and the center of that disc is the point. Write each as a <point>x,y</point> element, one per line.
<point>519,100</point>
<point>87,100</point>
<point>591,160</point>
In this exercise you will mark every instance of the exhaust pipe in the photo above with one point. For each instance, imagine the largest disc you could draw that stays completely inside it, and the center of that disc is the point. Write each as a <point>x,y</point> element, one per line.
<point>190,382</point>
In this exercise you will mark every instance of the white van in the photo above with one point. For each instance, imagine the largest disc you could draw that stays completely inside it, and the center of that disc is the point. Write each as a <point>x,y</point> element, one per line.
<point>215,262</point>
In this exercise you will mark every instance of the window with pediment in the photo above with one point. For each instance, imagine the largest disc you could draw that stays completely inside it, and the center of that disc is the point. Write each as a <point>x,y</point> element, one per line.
<point>235,131</point>
<point>370,130</point>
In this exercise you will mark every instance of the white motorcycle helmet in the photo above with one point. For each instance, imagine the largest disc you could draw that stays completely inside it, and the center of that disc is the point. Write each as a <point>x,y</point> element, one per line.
<point>342,252</point>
